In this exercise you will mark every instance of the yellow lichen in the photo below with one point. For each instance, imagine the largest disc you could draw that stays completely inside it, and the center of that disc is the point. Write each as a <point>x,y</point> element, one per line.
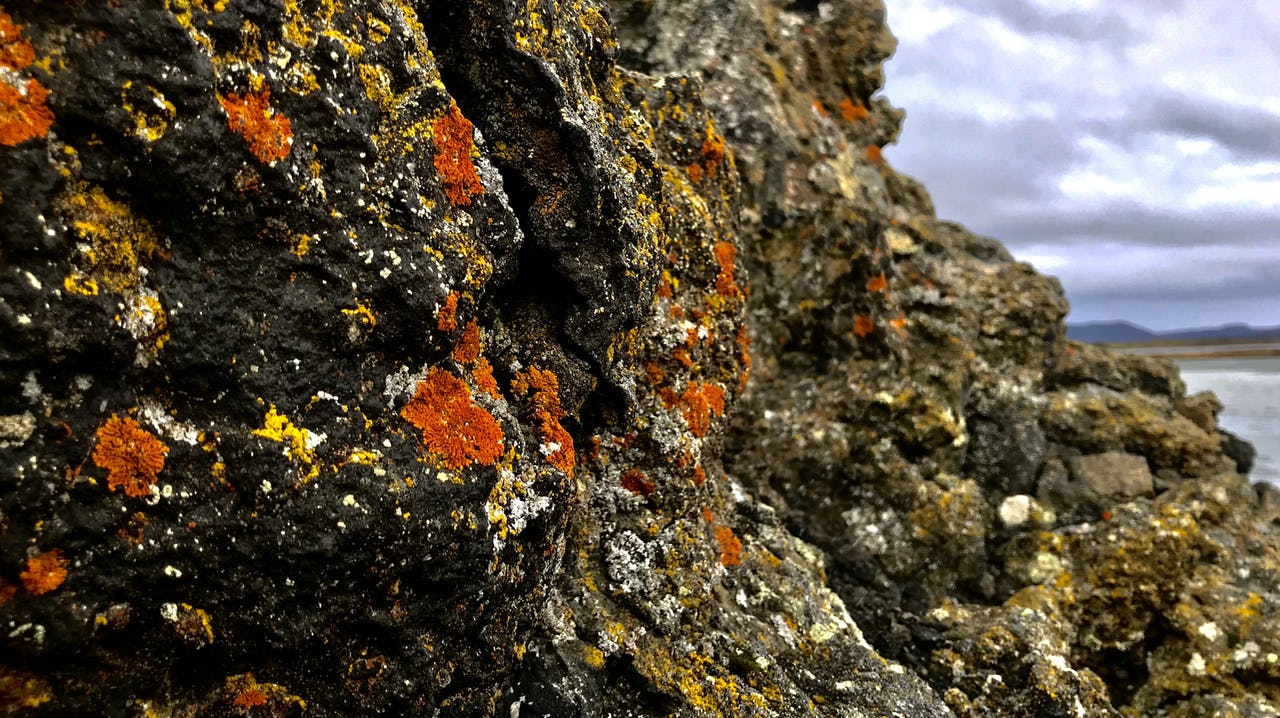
<point>299,443</point>
<point>115,240</point>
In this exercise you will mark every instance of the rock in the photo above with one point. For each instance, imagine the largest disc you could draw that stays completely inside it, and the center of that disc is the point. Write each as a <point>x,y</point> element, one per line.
<point>1240,451</point>
<point>1113,474</point>
<point>1202,409</point>
<point>575,359</point>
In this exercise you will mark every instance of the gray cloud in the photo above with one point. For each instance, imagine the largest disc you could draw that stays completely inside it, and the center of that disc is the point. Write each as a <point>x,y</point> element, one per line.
<point>1248,132</point>
<point>1072,227</point>
<point>1105,27</point>
<point>1131,149</point>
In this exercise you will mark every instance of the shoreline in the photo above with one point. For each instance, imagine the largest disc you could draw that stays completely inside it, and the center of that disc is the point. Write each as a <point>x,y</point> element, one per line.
<point>1209,354</point>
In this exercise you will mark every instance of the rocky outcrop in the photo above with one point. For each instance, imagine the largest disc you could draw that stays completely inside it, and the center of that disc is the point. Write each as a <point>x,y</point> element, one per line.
<point>538,358</point>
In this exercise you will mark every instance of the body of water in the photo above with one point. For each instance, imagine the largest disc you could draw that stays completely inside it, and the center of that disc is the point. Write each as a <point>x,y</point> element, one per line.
<point>1250,390</point>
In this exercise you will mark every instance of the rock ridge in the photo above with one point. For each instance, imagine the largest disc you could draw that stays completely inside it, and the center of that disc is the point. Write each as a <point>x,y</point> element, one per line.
<point>570,358</point>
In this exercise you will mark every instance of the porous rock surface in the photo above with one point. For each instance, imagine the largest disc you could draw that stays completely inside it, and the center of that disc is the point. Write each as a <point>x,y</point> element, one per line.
<point>568,358</point>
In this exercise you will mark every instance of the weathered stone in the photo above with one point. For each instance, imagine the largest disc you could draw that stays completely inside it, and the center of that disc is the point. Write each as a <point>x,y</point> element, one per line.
<point>1238,450</point>
<point>1113,474</point>
<point>576,359</point>
<point>1202,409</point>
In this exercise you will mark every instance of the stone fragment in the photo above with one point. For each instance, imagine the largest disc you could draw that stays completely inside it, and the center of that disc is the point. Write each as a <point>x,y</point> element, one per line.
<point>1113,474</point>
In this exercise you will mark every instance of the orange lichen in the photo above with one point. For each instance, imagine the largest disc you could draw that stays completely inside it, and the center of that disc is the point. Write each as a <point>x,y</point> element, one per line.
<point>682,355</point>
<point>862,325</point>
<point>454,145</point>
<point>247,692</point>
<point>24,114</point>
<point>468,348</point>
<point>557,443</point>
<point>268,132</point>
<point>821,109</point>
<point>636,482</point>
<point>131,456</point>
<point>713,152</point>
<point>744,347</point>
<point>725,286</point>
<point>899,325</point>
<point>7,591</point>
<point>875,155</point>
<point>699,476</point>
<point>45,572</point>
<point>878,283</point>
<point>15,53</point>
<point>482,375</point>
<point>852,111</point>
<point>250,698</point>
<point>654,373</point>
<point>447,317</point>
<point>707,515</point>
<point>453,426</point>
<point>730,546</point>
<point>698,402</point>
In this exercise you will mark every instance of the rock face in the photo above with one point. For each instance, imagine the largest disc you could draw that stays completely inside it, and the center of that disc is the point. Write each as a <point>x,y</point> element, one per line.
<point>564,358</point>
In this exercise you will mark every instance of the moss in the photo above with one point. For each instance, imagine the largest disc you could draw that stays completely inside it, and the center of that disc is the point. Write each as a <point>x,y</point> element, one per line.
<point>453,426</point>
<point>132,456</point>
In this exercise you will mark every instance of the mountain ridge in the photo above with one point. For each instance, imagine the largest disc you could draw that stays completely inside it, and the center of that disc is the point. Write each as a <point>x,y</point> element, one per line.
<point>1117,331</point>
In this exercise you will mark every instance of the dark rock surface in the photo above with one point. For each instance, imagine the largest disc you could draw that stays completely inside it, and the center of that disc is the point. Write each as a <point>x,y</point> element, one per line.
<point>563,358</point>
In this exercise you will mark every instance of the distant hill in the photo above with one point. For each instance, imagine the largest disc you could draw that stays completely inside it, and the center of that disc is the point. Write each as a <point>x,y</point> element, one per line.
<point>1109,332</point>
<point>1121,332</point>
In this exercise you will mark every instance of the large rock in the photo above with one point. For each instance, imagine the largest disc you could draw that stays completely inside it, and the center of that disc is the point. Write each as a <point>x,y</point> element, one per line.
<point>1113,474</point>
<point>580,359</point>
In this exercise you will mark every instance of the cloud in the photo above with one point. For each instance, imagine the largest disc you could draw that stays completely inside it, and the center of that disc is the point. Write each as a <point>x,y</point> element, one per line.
<point>1132,149</point>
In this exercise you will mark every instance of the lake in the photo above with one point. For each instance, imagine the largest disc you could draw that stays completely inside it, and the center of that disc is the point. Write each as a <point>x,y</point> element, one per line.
<point>1250,390</point>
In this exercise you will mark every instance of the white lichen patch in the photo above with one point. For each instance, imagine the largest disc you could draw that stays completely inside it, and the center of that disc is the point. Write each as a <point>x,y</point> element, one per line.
<point>1196,666</point>
<point>15,429</point>
<point>1015,510</point>
<point>153,413</point>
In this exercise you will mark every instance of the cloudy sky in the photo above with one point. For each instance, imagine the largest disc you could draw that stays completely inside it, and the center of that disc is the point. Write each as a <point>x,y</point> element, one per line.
<point>1130,147</point>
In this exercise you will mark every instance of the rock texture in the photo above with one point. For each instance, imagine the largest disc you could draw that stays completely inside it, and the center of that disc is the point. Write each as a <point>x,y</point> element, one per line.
<point>564,358</point>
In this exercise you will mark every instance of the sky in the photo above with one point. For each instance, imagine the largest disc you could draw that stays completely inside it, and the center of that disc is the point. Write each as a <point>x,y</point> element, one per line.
<point>1129,147</point>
